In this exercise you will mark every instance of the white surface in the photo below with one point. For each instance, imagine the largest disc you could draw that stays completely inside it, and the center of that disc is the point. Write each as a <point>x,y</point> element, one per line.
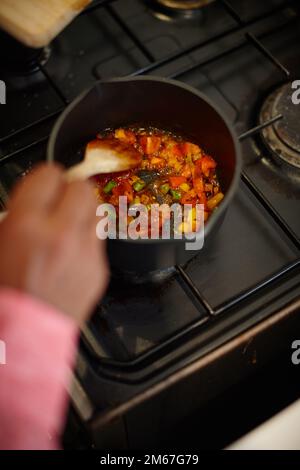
<point>282,432</point>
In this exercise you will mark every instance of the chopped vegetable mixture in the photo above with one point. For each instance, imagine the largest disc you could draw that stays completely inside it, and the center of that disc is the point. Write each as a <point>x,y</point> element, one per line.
<point>172,170</point>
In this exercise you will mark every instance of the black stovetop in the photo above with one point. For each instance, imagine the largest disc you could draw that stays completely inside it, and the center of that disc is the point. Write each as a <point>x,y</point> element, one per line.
<point>236,52</point>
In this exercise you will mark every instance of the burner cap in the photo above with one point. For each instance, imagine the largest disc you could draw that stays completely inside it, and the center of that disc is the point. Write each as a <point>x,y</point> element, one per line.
<point>173,10</point>
<point>283,137</point>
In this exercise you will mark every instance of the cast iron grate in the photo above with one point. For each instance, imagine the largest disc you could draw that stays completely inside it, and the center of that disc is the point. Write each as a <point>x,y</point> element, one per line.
<point>156,64</point>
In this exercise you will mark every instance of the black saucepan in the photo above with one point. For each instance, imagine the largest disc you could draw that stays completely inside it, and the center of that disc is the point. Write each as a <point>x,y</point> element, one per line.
<point>162,103</point>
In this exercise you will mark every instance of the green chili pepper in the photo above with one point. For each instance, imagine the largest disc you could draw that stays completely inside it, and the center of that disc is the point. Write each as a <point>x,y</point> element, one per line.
<point>109,186</point>
<point>176,195</point>
<point>165,188</point>
<point>139,185</point>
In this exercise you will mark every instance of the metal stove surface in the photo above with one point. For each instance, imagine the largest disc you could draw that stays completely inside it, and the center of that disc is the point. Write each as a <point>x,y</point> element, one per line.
<point>237,52</point>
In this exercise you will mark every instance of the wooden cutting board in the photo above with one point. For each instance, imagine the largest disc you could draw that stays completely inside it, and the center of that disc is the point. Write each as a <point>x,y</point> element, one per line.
<point>36,22</point>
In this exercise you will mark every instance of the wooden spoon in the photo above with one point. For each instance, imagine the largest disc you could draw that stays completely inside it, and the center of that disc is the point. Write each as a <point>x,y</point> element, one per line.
<point>104,156</point>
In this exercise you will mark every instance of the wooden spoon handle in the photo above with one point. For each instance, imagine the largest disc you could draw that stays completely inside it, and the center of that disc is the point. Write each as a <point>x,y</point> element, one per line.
<point>81,171</point>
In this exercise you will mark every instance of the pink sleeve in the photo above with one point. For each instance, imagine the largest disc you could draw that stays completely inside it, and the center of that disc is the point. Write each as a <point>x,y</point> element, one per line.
<point>40,347</point>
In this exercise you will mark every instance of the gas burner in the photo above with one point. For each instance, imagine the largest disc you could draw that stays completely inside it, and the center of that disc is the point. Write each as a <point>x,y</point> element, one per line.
<point>157,276</point>
<point>19,60</point>
<point>283,137</point>
<point>168,10</point>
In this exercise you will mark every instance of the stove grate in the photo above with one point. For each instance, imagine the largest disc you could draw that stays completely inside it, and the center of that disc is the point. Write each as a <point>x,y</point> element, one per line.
<point>248,37</point>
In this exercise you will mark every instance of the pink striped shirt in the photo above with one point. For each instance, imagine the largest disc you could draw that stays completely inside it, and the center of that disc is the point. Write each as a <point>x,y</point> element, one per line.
<point>40,344</point>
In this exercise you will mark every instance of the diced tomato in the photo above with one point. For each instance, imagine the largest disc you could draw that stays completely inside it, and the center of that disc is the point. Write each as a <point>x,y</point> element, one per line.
<point>207,163</point>
<point>150,143</point>
<point>186,171</point>
<point>189,198</point>
<point>124,189</point>
<point>125,135</point>
<point>114,200</point>
<point>198,186</point>
<point>176,181</point>
<point>188,149</point>
<point>197,171</point>
<point>157,162</point>
<point>171,151</point>
<point>176,151</point>
<point>117,190</point>
<point>192,198</point>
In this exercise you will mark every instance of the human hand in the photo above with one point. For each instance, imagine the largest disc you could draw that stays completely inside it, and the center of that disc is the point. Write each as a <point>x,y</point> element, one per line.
<point>48,243</point>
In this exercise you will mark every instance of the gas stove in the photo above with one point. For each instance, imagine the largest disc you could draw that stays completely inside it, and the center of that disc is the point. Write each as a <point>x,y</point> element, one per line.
<point>159,347</point>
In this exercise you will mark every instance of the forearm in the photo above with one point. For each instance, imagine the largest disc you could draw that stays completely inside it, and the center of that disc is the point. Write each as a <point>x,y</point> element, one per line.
<point>40,350</point>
